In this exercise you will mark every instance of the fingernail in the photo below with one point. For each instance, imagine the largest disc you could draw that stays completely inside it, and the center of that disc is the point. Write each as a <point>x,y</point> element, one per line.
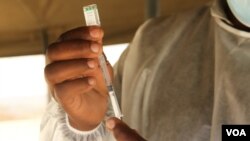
<point>91,81</point>
<point>94,47</point>
<point>95,33</point>
<point>91,64</point>
<point>110,124</point>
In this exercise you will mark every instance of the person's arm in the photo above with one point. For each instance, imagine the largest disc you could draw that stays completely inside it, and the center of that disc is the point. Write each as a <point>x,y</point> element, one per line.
<point>77,86</point>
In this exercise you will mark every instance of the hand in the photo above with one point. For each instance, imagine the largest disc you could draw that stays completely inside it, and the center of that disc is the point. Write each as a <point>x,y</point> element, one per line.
<point>121,131</point>
<point>74,78</point>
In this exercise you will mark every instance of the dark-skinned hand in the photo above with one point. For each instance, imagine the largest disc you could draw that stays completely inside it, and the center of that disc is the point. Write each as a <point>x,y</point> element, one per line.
<point>74,77</point>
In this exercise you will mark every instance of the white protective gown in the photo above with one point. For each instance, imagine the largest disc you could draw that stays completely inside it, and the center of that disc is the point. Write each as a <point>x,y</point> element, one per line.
<point>181,78</point>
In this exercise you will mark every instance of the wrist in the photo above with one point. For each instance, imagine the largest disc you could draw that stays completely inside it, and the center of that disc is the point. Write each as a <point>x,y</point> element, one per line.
<point>80,125</point>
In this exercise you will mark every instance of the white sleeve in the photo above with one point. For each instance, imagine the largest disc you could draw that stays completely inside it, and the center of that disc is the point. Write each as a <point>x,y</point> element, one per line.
<point>55,127</point>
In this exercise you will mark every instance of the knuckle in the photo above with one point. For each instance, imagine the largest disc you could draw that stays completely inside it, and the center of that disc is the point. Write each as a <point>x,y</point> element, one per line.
<point>51,51</point>
<point>60,89</point>
<point>49,74</point>
<point>61,92</point>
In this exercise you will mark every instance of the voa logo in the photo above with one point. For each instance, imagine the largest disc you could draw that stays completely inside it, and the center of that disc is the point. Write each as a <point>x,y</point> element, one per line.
<point>236,132</point>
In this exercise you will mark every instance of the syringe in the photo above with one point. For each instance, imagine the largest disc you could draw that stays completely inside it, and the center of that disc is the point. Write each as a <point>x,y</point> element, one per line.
<point>92,18</point>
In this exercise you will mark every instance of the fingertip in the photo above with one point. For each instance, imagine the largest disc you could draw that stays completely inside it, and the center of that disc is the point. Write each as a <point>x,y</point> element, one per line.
<point>91,81</point>
<point>95,47</point>
<point>110,123</point>
<point>91,64</point>
<point>96,32</point>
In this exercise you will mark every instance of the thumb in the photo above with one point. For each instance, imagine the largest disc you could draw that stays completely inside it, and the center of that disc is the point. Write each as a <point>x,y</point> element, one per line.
<point>121,131</point>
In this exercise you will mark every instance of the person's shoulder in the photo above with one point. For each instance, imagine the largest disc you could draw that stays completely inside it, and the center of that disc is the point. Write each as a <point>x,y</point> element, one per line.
<point>175,19</point>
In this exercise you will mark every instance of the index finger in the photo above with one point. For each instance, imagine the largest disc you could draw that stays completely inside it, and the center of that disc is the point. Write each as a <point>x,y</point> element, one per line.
<point>73,49</point>
<point>92,33</point>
